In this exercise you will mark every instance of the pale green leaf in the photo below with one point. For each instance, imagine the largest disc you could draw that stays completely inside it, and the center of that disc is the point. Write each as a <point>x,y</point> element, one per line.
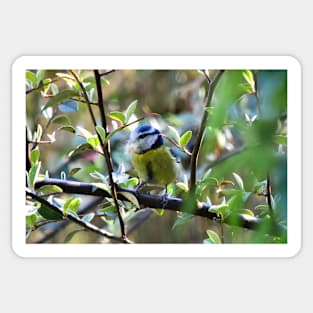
<point>33,174</point>
<point>213,236</point>
<point>239,181</point>
<point>185,138</point>
<point>35,155</point>
<point>130,110</point>
<point>118,116</point>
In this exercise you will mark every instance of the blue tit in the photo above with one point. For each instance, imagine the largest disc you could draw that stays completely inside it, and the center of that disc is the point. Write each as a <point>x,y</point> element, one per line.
<point>150,157</point>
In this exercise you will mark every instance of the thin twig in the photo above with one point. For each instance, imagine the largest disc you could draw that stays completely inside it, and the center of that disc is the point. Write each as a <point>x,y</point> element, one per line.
<point>85,96</point>
<point>196,148</point>
<point>41,84</point>
<point>107,155</point>
<point>76,219</point>
<point>106,73</point>
<point>176,144</point>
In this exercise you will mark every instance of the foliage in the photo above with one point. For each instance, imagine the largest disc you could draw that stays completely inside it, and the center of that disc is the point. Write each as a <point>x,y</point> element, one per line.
<point>241,167</point>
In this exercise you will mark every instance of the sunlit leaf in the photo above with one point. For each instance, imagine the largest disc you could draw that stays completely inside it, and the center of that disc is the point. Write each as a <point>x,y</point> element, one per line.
<point>33,174</point>
<point>174,133</point>
<point>159,212</point>
<point>40,75</point>
<point>213,236</point>
<point>130,110</point>
<point>184,187</point>
<point>35,155</point>
<point>118,116</point>
<point>71,205</point>
<point>31,78</point>
<point>101,132</point>
<point>239,181</point>
<point>94,141</point>
<point>47,189</point>
<point>185,138</point>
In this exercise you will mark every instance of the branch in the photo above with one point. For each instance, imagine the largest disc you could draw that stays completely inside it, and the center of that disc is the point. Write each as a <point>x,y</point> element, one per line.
<point>76,219</point>
<point>107,72</point>
<point>106,152</point>
<point>173,204</point>
<point>196,149</point>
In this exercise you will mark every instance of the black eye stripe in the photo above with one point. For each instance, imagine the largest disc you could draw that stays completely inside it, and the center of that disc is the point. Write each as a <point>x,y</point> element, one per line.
<point>148,134</point>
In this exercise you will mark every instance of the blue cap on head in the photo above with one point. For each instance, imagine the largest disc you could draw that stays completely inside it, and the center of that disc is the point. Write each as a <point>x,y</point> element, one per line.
<point>148,138</point>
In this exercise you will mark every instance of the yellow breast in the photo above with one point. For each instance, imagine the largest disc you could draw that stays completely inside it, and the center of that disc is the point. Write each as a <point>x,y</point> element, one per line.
<point>155,166</point>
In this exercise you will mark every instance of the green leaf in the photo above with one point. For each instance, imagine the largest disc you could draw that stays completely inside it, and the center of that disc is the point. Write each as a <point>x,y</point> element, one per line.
<point>34,155</point>
<point>33,174</point>
<point>185,138</point>
<point>174,133</point>
<point>94,141</point>
<point>31,220</point>
<point>247,212</point>
<point>101,132</point>
<point>182,219</point>
<point>88,217</point>
<point>248,76</point>
<point>84,132</point>
<point>54,88</point>
<point>70,129</point>
<point>49,214</point>
<point>239,181</point>
<point>71,205</point>
<point>118,116</point>
<point>59,98</point>
<point>40,75</point>
<point>159,212</point>
<point>82,148</point>
<point>31,78</point>
<point>73,171</point>
<point>280,139</point>
<point>102,186</point>
<point>213,236</point>
<point>61,120</point>
<point>184,187</point>
<point>47,189</point>
<point>130,110</point>
<point>133,181</point>
<point>104,81</point>
<point>99,176</point>
<point>38,133</point>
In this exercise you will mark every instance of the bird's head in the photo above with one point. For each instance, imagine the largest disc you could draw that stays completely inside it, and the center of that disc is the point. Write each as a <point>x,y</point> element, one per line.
<point>144,138</point>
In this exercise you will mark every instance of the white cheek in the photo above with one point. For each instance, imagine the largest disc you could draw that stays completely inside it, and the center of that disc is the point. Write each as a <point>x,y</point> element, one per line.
<point>147,142</point>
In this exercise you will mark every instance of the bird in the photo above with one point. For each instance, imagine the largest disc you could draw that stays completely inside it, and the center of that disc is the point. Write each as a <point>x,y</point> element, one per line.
<point>151,159</point>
